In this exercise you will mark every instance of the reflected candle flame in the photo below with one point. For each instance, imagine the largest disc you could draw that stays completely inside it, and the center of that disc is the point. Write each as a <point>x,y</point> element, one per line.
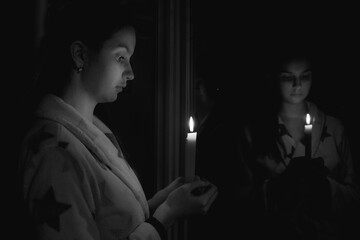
<point>308,129</point>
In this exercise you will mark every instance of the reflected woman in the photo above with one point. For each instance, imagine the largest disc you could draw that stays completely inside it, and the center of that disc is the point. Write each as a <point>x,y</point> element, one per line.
<point>309,198</point>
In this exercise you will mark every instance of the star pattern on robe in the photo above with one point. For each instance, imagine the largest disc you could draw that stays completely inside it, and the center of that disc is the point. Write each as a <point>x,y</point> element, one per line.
<point>48,210</point>
<point>303,141</point>
<point>63,144</point>
<point>291,154</point>
<point>37,139</point>
<point>324,134</point>
<point>282,131</point>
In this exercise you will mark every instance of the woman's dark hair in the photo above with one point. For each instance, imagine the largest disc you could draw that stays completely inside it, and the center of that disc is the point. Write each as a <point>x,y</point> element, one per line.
<point>276,63</point>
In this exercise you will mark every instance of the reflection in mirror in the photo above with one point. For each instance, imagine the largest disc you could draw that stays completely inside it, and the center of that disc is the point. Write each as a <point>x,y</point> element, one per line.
<point>242,146</point>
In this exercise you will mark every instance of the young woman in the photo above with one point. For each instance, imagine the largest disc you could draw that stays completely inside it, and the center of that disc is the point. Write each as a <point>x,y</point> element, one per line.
<point>75,181</point>
<point>310,196</point>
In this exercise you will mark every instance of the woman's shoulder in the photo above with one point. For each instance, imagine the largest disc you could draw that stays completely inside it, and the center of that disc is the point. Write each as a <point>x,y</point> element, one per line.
<point>335,121</point>
<point>330,123</point>
<point>46,133</point>
<point>41,130</point>
<point>48,143</point>
<point>324,116</point>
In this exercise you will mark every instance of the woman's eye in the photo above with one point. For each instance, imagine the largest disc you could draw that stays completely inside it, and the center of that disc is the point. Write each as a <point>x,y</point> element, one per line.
<point>285,78</point>
<point>120,58</point>
<point>305,77</point>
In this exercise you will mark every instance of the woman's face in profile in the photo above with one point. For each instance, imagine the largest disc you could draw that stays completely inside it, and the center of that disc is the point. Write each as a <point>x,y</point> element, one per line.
<point>295,80</point>
<point>110,69</point>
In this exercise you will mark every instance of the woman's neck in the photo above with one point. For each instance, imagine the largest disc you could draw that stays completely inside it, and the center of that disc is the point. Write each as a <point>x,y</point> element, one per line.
<point>291,111</point>
<point>81,101</point>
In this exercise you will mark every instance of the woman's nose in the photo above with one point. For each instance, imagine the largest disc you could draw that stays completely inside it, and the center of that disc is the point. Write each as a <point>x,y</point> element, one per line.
<point>129,74</point>
<point>297,82</point>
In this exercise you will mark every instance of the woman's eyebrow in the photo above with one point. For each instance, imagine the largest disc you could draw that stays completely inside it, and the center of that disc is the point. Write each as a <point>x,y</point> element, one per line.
<point>306,71</point>
<point>123,46</point>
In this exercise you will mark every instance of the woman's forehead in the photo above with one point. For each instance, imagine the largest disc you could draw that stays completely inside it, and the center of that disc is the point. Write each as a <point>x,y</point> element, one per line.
<point>296,65</point>
<point>125,38</point>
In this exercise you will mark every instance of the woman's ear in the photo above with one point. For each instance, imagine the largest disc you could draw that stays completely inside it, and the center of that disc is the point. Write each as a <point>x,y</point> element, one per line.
<point>78,54</point>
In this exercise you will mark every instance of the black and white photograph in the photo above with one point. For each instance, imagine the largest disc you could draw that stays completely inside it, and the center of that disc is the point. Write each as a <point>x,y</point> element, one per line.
<point>181,120</point>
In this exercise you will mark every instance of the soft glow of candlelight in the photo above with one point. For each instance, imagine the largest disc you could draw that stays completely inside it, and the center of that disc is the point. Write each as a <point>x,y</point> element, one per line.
<point>190,152</point>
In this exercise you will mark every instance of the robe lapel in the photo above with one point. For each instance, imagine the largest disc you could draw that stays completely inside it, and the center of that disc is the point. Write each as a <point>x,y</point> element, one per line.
<point>318,126</point>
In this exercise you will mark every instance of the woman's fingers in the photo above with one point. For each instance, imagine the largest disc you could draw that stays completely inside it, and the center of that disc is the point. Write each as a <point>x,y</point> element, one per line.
<point>175,184</point>
<point>210,191</point>
<point>210,201</point>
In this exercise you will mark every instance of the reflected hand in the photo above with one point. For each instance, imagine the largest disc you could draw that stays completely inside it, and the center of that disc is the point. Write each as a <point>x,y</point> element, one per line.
<point>304,183</point>
<point>305,168</point>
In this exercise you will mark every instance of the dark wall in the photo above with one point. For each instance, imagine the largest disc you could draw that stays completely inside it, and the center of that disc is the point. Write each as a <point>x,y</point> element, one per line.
<point>17,68</point>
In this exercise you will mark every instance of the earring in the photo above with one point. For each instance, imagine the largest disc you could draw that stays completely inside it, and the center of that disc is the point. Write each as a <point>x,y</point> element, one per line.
<point>79,69</point>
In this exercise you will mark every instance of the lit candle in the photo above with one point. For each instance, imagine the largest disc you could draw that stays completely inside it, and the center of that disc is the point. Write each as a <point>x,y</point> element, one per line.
<point>308,129</point>
<point>190,154</point>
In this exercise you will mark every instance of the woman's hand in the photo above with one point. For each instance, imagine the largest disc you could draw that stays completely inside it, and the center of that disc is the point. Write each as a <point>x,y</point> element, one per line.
<point>161,195</point>
<point>182,202</point>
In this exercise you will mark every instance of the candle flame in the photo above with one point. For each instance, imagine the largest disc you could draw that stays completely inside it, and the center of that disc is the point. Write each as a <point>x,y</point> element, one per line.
<point>308,119</point>
<point>191,124</point>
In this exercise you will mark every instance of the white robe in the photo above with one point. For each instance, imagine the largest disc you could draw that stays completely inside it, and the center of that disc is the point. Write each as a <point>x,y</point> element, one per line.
<point>75,181</point>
